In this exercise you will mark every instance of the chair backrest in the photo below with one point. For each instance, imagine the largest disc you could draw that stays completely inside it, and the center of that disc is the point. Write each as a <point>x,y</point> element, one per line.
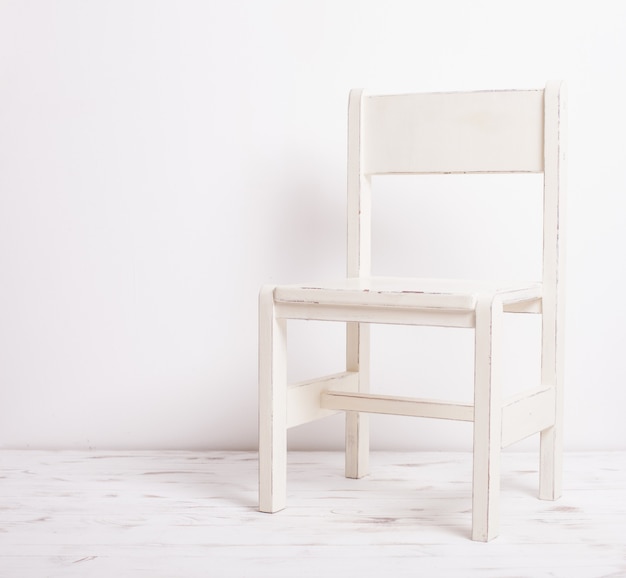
<point>505,131</point>
<point>453,133</point>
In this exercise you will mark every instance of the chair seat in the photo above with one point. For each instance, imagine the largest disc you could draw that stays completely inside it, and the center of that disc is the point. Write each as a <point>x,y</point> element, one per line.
<point>453,294</point>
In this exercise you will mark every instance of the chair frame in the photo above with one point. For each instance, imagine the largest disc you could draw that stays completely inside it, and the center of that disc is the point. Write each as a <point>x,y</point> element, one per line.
<point>497,422</point>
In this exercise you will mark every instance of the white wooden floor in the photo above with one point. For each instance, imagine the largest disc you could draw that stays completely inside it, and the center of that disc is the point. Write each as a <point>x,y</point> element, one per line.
<point>193,514</point>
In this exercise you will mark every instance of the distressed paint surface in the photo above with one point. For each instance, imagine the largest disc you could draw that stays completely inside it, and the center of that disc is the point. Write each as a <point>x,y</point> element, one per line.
<point>171,514</point>
<point>490,131</point>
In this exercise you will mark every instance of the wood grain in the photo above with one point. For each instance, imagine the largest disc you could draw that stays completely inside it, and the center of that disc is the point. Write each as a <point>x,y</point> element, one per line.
<point>193,514</point>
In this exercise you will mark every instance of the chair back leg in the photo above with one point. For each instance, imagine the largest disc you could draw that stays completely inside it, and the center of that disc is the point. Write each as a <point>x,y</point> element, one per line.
<point>357,424</point>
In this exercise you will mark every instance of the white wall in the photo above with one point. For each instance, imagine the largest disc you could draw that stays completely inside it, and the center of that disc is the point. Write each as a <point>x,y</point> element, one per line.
<point>160,160</point>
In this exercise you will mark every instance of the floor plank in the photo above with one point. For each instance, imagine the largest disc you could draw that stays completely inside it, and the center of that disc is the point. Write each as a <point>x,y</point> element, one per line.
<point>188,514</point>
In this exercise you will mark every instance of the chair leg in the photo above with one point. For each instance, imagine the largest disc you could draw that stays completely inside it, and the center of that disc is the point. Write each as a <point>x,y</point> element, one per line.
<point>357,444</point>
<point>551,452</point>
<point>487,422</point>
<point>550,464</point>
<point>272,405</point>
<point>357,424</point>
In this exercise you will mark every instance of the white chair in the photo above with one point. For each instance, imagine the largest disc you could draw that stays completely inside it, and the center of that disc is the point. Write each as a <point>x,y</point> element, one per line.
<point>510,131</point>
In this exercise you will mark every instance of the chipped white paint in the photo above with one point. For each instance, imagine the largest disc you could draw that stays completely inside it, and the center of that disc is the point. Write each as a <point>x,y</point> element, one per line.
<point>553,318</point>
<point>272,405</point>
<point>162,514</point>
<point>359,225</point>
<point>487,419</point>
<point>446,294</point>
<point>496,131</point>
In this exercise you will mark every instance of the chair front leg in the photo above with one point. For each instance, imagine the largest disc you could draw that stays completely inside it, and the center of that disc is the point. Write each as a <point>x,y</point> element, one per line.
<point>272,405</point>
<point>487,421</point>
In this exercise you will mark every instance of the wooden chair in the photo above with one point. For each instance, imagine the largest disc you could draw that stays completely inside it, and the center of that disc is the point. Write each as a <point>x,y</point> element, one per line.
<point>510,131</point>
